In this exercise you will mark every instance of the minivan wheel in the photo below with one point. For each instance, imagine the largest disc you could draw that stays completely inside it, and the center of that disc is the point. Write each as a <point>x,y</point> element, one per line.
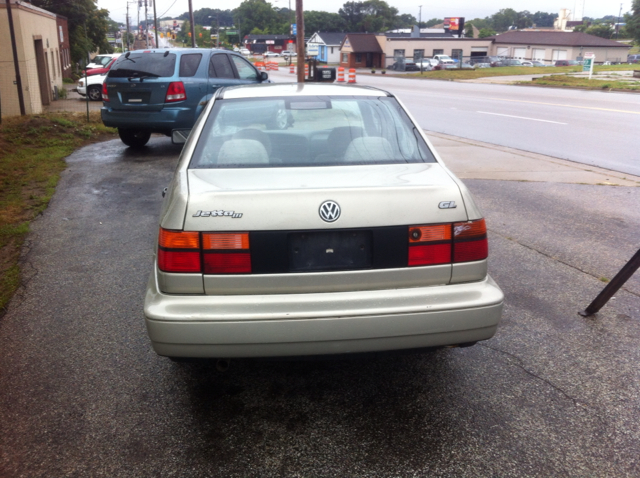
<point>134,138</point>
<point>95,93</point>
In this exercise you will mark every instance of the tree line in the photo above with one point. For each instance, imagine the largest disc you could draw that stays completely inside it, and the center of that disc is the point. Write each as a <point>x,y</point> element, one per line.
<point>89,25</point>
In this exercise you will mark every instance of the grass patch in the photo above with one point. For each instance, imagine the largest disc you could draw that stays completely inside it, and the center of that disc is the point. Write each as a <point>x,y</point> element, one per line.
<point>32,152</point>
<point>511,71</point>
<point>593,84</point>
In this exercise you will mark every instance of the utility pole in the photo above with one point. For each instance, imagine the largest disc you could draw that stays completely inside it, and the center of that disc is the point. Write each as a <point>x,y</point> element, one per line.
<point>300,40</point>
<point>420,16</point>
<point>193,27</point>
<point>155,23</point>
<point>16,64</point>
<point>146,24</point>
<point>618,24</point>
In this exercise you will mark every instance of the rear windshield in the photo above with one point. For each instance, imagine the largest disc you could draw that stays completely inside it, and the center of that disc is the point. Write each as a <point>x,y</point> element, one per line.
<point>308,131</point>
<point>138,64</point>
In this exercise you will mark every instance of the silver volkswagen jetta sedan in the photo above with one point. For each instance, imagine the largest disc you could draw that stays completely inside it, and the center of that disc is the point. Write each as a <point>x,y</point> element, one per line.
<point>329,227</point>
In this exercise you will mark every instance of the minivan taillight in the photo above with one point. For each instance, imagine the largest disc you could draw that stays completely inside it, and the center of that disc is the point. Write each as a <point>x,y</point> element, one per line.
<point>175,92</point>
<point>211,253</point>
<point>447,243</point>
<point>105,93</point>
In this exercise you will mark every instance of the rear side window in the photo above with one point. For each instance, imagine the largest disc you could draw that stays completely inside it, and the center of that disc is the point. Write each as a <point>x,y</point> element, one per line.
<point>220,67</point>
<point>189,64</point>
<point>144,65</point>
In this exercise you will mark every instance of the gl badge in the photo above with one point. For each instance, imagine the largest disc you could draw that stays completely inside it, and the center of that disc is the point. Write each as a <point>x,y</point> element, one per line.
<point>329,211</point>
<point>447,205</point>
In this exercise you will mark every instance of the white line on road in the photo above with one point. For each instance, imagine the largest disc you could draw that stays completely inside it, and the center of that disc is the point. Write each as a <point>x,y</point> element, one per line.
<point>520,117</point>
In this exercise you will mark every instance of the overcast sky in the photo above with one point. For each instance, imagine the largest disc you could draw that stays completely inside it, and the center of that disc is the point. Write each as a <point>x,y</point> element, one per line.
<point>454,8</point>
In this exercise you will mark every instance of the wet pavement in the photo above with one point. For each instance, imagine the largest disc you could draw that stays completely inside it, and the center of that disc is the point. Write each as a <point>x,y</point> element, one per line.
<point>552,394</point>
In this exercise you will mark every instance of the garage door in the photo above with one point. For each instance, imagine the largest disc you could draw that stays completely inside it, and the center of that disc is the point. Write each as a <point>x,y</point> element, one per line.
<point>519,53</point>
<point>503,51</point>
<point>538,54</point>
<point>559,55</point>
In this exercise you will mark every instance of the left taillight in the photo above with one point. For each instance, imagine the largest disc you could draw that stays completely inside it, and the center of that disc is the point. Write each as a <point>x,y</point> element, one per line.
<point>175,92</point>
<point>211,253</point>
<point>105,93</point>
<point>179,251</point>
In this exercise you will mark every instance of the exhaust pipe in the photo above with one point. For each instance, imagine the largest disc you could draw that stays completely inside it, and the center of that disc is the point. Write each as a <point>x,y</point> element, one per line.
<point>222,365</point>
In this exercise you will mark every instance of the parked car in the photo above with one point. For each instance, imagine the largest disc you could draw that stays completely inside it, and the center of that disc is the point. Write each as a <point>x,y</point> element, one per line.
<point>91,86</point>
<point>342,234</point>
<point>245,52</point>
<point>271,54</point>
<point>567,63</point>
<point>532,63</point>
<point>633,59</point>
<point>157,91</point>
<point>100,61</point>
<point>507,62</point>
<point>481,61</point>
<point>288,53</point>
<point>427,64</point>
<point>404,65</point>
<point>445,59</point>
<point>100,71</point>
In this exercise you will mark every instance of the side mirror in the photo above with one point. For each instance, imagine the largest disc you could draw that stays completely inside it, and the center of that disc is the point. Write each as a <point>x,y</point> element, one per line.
<point>179,136</point>
<point>264,76</point>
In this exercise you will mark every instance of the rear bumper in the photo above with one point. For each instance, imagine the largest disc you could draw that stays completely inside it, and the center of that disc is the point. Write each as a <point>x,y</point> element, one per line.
<point>281,325</point>
<point>162,121</point>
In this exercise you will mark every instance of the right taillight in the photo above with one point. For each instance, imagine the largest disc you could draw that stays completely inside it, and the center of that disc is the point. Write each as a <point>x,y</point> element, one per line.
<point>175,92</point>
<point>447,243</point>
<point>470,241</point>
<point>105,93</point>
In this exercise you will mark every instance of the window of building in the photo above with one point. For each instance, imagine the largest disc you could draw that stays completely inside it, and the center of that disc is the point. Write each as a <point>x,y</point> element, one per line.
<point>331,49</point>
<point>345,58</point>
<point>398,53</point>
<point>438,52</point>
<point>457,54</point>
<point>418,54</point>
<point>358,57</point>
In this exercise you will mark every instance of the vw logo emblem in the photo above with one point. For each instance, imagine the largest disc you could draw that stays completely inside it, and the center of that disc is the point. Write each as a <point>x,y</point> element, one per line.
<point>329,211</point>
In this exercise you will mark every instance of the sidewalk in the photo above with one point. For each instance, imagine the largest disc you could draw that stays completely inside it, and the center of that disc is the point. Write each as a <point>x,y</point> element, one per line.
<point>470,159</point>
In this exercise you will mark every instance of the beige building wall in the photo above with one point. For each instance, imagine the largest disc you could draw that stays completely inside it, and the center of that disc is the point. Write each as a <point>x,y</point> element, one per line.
<point>31,26</point>
<point>551,53</point>
<point>429,45</point>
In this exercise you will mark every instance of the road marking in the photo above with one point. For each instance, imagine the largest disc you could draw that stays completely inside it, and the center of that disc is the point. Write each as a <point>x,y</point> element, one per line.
<point>567,106</point>
<point>520,117</point>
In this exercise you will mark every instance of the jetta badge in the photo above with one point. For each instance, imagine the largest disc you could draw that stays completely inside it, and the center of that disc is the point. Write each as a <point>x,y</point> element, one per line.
<point>447,205</point>
<point>329,211</point>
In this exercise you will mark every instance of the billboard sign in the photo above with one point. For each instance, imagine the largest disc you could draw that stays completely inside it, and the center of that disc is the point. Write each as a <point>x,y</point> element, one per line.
<point>454,25</point>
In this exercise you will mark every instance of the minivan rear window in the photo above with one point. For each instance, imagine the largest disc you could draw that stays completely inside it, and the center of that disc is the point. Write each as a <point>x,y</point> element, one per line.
<point>138,65</point>
<point>189,64</point>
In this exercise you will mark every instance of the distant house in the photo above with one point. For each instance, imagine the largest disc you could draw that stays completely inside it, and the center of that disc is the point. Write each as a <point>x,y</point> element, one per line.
<point>362,50</point>
<point>328,45</point>
<point>557,45</point>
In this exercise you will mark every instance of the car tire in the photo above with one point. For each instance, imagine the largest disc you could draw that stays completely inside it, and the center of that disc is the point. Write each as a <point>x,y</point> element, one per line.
<point>94,92</point>
<point>134,138</point>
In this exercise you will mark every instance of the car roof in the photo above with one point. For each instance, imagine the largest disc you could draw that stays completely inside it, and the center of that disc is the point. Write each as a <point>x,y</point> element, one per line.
<point>298,89</point>
<point>180,50</point>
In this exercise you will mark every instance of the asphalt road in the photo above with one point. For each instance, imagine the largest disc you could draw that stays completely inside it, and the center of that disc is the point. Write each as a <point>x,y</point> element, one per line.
<point>590,127</point>
<point>552,394</point>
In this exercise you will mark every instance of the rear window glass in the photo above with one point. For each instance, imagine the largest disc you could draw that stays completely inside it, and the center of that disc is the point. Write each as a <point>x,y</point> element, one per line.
<point>308,131</point>
<point>137,65</point>
<point>220,67</point>
<point>189,64</point>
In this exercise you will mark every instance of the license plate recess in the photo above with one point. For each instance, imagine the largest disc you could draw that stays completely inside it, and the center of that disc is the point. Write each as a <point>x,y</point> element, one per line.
<point>329,251</point>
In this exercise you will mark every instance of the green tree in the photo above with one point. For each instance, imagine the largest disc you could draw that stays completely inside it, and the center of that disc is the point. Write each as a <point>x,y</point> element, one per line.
<point>257,15</point>
<point>88,25</point>
<point>468,30</point>
<point>504,19</point>
<point>544,19</point>
<point>486,32</point>
<point>433,22</point>
<point>633,22</point>
<point>369,16</point>
<point>603,31</point>
<point>323,22</point>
